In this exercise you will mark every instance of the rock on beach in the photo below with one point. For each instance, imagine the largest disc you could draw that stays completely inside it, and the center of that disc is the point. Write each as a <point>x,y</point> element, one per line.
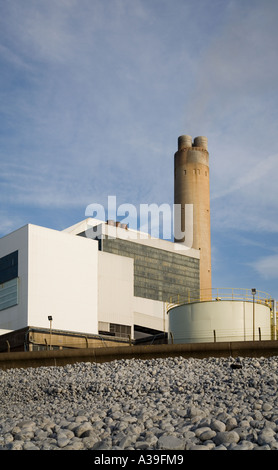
<point>155,404</point>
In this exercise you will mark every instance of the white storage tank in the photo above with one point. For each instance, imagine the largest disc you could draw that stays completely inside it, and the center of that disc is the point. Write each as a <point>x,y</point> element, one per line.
<point>220,320</point>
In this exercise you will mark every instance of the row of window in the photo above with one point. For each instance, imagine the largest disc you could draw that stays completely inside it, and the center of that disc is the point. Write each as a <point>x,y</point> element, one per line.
<point>196,171</point>
<point>114,329</point>
<point>9,280</point>
<point>8,294</point>
<point>122,331</point>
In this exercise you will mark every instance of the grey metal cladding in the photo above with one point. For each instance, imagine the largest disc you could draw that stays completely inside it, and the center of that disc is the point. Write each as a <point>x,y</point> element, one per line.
<point>158,274</point>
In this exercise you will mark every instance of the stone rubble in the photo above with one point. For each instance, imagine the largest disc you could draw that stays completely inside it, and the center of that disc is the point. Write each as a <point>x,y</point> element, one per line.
<point>155,404</point>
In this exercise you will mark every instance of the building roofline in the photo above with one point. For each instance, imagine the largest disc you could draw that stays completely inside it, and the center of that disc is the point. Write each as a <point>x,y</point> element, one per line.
<point>94,228</point>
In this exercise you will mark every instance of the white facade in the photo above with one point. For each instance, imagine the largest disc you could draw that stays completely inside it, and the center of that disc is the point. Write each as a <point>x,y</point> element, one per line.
<point>57,276</point>
<point>150,314</point>
<point>115,291</point>
<point>62,280</point>
<point>66,276</point>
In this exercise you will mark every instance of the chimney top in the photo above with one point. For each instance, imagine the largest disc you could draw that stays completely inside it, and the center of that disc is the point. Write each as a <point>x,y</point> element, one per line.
<point>184,141</point>
<point>201,141</point>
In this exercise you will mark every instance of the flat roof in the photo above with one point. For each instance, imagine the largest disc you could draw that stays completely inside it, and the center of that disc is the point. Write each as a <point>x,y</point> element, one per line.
<point>94,228</point>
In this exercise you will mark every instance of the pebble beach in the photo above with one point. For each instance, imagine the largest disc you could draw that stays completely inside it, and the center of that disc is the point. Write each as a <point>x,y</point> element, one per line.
<point>156,404</point>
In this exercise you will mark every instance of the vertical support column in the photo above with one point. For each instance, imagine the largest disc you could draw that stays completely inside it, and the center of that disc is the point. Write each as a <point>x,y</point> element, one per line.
<point>274,325</point>
<point>192,187</point>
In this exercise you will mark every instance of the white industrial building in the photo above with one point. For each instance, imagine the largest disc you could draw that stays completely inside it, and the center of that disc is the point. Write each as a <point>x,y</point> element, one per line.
<point>67,277</point>
<point>99,283</point>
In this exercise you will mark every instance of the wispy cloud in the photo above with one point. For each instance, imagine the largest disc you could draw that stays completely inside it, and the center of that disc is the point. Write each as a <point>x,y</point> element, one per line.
<point>81,116</point>
<point>256,174</point>
<point>95,93</point>
<point>234,103</point>
<point>10,222</point>
<point>98,94</point>
<point>267,266</point>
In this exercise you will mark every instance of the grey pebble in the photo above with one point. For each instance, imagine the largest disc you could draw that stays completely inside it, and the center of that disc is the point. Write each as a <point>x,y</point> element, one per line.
<point>197,447</point>
<point>266,436</point>
<point>154,404</point>
<point>226,437</point>
<point>218,426</point>
<point>170,443</point>
<point>207,435</point>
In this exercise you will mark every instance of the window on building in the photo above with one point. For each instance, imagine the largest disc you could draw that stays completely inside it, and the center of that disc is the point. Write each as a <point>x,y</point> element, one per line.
<point>9,267</point>
<point>9,280</point>
<point>8,294</point>
<point>122,331</point>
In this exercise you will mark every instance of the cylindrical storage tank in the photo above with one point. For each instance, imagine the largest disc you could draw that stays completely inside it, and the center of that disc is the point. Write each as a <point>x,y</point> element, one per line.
<point>224,320</point>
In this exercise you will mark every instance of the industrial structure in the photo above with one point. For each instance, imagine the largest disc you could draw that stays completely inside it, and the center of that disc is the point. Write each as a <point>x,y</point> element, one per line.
<point>100,283</point>
<point>228,315</point>
<point>192,187</point>
<point>96,289</point>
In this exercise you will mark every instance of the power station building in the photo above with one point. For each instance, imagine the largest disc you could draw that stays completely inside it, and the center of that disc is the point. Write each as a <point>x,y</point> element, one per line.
<point>94,291</point>
<point>101,283</point>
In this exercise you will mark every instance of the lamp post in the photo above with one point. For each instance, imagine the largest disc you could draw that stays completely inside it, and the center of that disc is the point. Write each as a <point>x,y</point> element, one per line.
<point>50,330</point>
<point>253,293</point>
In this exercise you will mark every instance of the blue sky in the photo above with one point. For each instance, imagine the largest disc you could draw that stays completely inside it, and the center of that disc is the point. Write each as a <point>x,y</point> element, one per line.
<point>94,94</point>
